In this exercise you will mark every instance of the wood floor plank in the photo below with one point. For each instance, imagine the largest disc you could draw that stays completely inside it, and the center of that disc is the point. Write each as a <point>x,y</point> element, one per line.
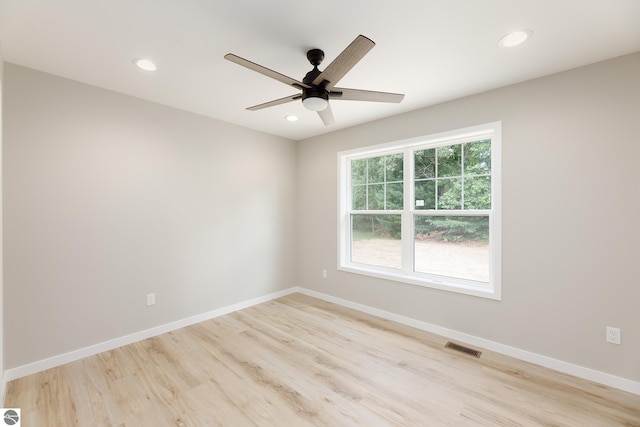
<point>299,361</point>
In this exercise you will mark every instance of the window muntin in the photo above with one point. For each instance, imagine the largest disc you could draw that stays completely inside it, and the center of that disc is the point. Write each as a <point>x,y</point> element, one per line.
<point>425,211</point>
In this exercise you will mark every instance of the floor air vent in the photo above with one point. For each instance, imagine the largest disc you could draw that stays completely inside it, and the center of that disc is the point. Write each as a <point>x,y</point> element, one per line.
<point>463,349</point>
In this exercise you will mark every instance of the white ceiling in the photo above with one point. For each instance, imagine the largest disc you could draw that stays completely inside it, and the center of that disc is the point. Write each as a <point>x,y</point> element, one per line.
<point>431,50</point>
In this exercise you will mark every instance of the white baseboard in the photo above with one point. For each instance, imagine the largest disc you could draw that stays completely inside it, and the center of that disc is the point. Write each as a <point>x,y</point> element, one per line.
<point>548,362</point>
<point>52,362</point>
<point>538,359</point>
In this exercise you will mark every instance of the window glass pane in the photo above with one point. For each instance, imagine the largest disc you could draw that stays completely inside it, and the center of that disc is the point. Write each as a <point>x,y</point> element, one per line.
<point>425,194</point>
<point>454,246</point>
<point>450,193</point>
<point>477,192</point>
<point>359,197</point>
<point>477,158</point>
<point>394,167</point>
<point>358,171</point>
<point>425,163</point>
<point>375,240</point>
<point>450,160</point>
<point>375,197</point>
<point>377,183</point>
<point>394,196</point>
<point>375,168</point>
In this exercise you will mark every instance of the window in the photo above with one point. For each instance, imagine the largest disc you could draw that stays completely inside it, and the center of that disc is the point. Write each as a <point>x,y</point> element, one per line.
<point>425,211</point>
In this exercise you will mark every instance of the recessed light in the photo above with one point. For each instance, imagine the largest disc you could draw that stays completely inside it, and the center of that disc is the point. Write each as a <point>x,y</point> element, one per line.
<point>515,38</point>
<point>145,64</point>
<point>291,118</point>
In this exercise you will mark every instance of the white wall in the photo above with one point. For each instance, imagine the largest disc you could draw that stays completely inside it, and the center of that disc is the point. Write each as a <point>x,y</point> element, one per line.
<point>108,198</point>
<point>570,213</point>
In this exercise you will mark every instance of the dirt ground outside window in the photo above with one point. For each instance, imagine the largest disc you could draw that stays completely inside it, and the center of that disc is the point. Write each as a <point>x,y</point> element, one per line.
<point>465,260</point>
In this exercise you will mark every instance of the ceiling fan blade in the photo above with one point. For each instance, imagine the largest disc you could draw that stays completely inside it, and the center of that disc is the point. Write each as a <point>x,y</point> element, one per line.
<point>327,116</point>
<point>345,61</point>
<point>275,102</point>
<point>364,95</point>
<point>265,71</point>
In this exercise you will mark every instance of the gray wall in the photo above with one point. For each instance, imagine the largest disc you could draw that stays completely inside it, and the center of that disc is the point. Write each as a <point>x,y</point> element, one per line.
<point>1,238</point>
<point>108,198</point>
<point>570,209</point>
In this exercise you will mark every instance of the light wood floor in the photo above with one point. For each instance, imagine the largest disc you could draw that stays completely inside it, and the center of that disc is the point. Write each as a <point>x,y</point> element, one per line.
<point>298,361</point>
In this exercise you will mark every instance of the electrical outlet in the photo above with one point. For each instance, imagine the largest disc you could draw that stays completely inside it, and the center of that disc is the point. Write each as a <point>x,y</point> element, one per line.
<point>151,299</point>
<point>613,335</point>
<point>324,274</point>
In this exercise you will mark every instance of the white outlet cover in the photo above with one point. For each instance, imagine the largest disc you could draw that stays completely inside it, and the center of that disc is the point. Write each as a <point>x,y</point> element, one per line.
<point>613,335</point>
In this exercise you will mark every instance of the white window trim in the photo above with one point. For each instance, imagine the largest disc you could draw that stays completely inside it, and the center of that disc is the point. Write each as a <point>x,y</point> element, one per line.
<point>468,287</point>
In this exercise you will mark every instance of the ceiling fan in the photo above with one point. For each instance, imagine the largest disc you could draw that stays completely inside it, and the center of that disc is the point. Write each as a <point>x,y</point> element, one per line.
<point>319,86</point>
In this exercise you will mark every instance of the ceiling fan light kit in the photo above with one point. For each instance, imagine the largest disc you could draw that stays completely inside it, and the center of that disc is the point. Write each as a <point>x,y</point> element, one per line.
<point>319,86</point>
<point>314,103</point>
<point>315,100</point>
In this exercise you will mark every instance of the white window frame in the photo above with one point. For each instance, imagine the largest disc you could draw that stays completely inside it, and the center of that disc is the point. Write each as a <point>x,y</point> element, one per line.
<point>492,289</point>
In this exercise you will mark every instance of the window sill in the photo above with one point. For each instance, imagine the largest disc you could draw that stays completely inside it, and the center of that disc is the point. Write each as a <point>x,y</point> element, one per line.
<point>424,281</point>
